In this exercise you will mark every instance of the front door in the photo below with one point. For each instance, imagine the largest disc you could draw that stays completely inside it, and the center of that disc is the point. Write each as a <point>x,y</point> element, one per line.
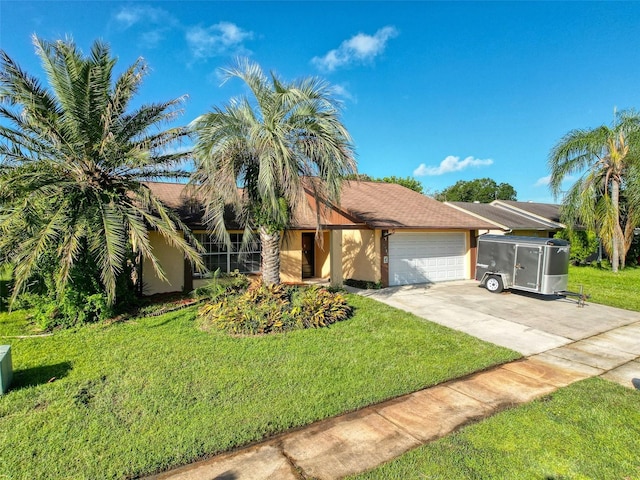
<point>308,258</point>
<point>527,267</point>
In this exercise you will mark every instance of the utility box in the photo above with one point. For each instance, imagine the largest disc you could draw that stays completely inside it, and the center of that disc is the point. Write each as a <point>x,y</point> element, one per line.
<point>533,264</point>
<point>6,368</point>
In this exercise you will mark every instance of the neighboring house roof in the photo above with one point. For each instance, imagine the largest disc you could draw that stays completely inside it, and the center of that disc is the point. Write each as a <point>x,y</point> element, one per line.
<point>510,215</point>
<point>371,204</point>
<point>546,211</point>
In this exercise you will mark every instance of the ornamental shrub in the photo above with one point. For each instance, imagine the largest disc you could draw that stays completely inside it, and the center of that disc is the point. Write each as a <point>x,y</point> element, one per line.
<point>220,284</point>
<point>318,307</point>
<point>274,308</point>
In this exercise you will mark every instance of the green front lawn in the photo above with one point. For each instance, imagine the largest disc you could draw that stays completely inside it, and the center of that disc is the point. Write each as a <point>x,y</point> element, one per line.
<point>615,289</point>
<point>114,401</point>
<point>589,430</point>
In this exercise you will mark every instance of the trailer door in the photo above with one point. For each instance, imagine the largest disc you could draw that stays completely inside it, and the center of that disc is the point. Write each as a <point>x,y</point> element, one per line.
<point>526,272</point>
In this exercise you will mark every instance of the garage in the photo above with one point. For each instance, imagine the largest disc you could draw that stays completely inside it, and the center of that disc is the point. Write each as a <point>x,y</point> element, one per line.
<point>418,257</point>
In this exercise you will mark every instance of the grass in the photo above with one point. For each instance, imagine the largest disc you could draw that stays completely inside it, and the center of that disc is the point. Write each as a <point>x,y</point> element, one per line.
<point>133,398</point>
<point>614,289</point>
<point>589,430</point>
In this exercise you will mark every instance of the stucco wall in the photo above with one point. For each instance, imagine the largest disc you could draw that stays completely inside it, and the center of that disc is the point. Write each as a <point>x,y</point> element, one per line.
<point>291,257</point>
<point>491,232</point>
<point>521,233</point>
<point>531,233</point>
<point>172,262</point>
<point>361,254</point>
<point>323,266</point>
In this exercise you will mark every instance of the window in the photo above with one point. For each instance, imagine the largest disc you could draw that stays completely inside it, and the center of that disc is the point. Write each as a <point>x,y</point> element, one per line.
<point>216,255</point>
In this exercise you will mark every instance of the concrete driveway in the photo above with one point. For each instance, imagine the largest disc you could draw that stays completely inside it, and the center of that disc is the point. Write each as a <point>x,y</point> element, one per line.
<point>521,321</point>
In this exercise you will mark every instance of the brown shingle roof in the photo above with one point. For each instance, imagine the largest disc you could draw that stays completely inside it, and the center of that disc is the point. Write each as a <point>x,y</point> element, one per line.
<point>388,205</point>
<point>178,197</point>
<point>376,204</point>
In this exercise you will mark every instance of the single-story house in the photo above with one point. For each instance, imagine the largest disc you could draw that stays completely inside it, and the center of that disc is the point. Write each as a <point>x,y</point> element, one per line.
<point>515,218</point>
<point>380,232</point>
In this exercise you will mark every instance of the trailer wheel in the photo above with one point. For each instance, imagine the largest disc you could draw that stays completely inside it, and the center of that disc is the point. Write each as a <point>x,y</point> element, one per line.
<point>494,284</point>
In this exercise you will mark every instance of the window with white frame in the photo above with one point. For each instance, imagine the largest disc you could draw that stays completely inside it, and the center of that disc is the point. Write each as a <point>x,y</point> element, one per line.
<point>217,255</point>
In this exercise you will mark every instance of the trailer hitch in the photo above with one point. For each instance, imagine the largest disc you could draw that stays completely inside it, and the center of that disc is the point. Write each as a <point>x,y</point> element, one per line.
<point>581,296</point>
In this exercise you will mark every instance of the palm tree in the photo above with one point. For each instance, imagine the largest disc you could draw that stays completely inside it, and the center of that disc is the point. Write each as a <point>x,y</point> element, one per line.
<point>72,161</point>
<point>608,161</point>
<point>269,145</point>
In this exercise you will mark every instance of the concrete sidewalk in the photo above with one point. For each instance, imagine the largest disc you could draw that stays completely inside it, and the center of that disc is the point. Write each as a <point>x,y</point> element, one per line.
<point>359,441</point>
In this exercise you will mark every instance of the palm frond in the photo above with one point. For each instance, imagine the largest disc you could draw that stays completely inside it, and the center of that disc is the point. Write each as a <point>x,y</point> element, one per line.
<point>78,144</point>
<point>268,144</point>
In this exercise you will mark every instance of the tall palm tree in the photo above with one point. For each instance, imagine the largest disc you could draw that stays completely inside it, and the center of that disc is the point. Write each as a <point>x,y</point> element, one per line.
<point>607,158</point>
<point>72,160</point>
<point>269,145</point>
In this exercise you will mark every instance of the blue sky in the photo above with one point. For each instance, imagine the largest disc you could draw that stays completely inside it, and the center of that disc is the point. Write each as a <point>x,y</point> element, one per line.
<point>442,91</point>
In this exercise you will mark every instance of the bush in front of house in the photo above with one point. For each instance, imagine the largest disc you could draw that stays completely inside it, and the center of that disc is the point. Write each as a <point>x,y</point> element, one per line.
<point>220,284</point>
<point>83,300</point>
<point>584,245</point>
<point>363,284</point>
<point>275,308</point>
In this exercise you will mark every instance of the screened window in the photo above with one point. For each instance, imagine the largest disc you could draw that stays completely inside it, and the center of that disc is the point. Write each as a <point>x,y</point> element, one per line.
<point>217,255</point>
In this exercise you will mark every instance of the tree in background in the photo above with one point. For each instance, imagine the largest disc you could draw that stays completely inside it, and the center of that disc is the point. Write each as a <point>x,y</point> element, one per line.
<point>407,182</point>
<point>605,198</point>
<point>483,190</point>
<point>72,160</point>
<point>268,144</point>
<point>584,244</point>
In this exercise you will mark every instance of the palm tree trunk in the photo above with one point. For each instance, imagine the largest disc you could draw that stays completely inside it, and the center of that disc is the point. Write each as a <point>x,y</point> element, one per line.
<point>628,237</point>
<point>617,231</point>
<point>270,256</point>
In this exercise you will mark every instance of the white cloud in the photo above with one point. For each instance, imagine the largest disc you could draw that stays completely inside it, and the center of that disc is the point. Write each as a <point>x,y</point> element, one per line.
<point>360,48</point>
<point>152,23</point>
<point>543,181</point>
<point>129,16</point>
<point>450,164</point>
<point>218,39</point>
<point>342,91</point>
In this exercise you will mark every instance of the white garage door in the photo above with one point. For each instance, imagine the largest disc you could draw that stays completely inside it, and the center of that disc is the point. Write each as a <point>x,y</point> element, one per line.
<point>426,257</point>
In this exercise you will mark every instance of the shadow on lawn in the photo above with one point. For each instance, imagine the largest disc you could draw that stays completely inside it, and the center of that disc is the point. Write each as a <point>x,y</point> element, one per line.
<point>31,377</point>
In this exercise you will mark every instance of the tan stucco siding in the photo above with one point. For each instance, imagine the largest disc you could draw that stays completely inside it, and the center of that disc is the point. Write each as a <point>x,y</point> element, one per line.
<point>361,254</point>
<point>323,267</point>
<point>291,257</point>
<point>172,262</point>
<point>520,233</point>
<point>491,232</point>
<point>531,233</point>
